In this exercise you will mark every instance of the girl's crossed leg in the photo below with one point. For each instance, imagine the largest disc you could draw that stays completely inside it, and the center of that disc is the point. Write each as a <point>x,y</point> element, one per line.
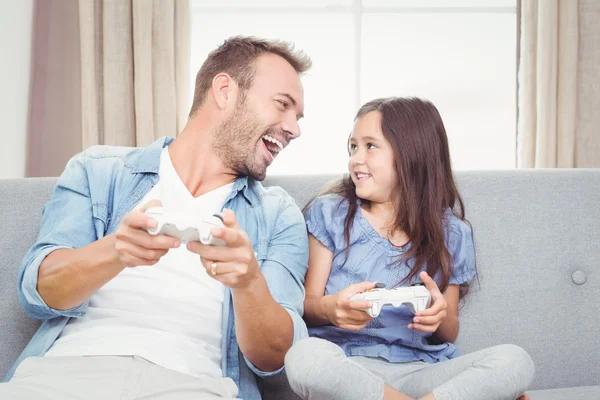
<point>318,369</point>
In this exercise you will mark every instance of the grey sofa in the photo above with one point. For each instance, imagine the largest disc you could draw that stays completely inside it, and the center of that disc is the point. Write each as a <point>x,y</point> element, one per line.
<point>537,235</point>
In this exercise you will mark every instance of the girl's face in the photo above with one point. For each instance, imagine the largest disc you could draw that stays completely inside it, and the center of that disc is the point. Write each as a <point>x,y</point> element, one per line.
<point>371,163</point>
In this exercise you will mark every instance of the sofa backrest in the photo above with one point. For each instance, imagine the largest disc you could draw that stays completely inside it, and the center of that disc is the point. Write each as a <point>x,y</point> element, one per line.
<point>21,202</point>
<point>537,236</point>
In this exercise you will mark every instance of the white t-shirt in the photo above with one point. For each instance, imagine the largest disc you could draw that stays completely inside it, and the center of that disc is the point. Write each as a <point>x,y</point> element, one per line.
<point>169,313</point>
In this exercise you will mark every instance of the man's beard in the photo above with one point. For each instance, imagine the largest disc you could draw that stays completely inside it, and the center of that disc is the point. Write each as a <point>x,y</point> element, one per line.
<point>235,143</point>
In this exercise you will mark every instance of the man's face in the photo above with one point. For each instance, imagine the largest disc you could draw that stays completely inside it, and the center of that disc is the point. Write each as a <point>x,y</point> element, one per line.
<point>264,120</point>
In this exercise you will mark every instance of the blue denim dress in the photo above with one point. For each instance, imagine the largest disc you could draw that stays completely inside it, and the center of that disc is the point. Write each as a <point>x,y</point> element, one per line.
<point>373,258</point>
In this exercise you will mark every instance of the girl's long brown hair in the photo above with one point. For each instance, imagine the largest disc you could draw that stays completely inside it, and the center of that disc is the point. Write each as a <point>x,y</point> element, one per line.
<point>425,186</point>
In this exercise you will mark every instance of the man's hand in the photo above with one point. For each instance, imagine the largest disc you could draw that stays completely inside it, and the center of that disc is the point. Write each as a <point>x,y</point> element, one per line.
<point>134,245</point>
<point>235,264</point>
<point>347,314</point>
<point>430,319</point>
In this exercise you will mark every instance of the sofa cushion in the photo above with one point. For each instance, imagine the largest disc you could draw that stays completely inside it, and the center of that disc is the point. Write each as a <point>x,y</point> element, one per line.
<point>574,393</point>
<point>21,203</point>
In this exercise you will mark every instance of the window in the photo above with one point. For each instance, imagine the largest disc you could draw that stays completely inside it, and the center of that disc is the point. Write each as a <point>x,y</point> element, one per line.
<point>460,54</point>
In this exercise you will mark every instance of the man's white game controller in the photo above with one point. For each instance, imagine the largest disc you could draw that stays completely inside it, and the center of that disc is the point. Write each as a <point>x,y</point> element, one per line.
<point>415,297</point>
<point>185,229</point>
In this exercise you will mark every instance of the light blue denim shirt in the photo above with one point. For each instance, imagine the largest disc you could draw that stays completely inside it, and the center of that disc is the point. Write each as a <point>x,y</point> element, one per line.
<point>102,184</point>
<point>373,258</point>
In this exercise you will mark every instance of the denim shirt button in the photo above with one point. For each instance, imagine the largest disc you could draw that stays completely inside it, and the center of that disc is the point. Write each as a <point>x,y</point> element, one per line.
<point>579,277</point>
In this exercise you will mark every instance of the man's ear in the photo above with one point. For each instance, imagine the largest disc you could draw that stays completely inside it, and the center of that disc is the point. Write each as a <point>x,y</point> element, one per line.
<point>222,86</point>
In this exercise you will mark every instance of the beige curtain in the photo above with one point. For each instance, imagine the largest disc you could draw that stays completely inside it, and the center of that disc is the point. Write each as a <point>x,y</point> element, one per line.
<point>548,84</point>
<point>135,70</point>
<point>587,150</point>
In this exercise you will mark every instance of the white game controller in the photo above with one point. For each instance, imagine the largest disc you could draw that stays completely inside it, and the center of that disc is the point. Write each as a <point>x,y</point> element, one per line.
<point>416,298</point>
<point>185,229</point>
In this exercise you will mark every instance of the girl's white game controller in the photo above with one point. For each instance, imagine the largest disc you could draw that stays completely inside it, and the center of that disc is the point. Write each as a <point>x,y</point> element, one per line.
<point>184,229</point>
<point>416,298</point>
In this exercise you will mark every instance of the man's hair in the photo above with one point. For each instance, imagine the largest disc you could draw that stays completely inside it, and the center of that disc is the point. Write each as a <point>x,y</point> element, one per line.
<point>236,57</point>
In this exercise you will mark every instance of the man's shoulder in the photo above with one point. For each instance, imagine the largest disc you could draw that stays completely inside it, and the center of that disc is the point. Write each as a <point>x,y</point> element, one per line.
<point>135,159</point>
<point>105,151</point>
<point>103,154</point>
<point>99,162</point>
<point>102,171</point>
<point>277,205</point>
<point>271,195</point>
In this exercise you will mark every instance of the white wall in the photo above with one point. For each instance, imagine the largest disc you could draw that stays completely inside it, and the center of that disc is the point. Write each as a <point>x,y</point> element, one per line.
<point>16,21</point>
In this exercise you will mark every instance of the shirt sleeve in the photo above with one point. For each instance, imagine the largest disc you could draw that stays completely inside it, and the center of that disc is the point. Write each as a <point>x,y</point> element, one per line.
<point>462,250</point>
<point>284,269</point>
<point>67,223</point>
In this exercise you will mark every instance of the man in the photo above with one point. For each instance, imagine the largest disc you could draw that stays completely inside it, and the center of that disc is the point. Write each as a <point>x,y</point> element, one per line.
<point>130,315</point>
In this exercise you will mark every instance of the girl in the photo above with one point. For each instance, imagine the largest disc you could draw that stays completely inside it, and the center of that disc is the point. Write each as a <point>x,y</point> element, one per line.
<point>397,218</point>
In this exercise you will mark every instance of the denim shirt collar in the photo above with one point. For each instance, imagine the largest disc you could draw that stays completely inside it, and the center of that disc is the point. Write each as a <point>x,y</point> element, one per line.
<point>147,161</point>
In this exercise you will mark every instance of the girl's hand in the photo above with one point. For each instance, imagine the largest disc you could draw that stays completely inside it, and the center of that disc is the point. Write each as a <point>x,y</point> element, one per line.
<point>430,319</point>
<point>347,314</point>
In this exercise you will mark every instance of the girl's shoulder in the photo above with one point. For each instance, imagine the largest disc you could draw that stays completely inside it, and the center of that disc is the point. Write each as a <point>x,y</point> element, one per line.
<point>458,231</point>
<point>331,205</point>
<point>459,238</point>
<point>325,220</point>
<point>454,224</point>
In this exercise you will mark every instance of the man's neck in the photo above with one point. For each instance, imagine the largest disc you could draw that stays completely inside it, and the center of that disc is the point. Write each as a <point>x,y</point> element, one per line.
<point>194,160</point>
